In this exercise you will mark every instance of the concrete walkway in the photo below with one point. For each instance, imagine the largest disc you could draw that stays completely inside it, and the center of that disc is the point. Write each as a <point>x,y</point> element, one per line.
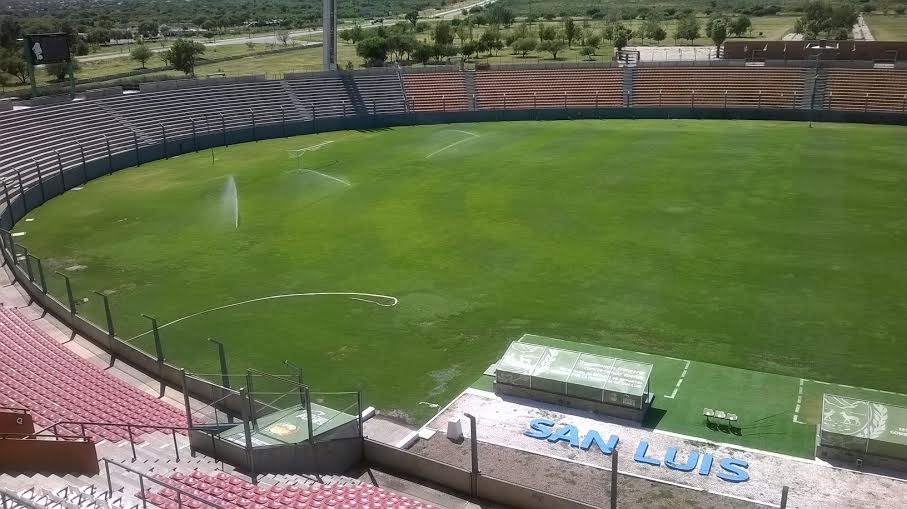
<point>502,422</point>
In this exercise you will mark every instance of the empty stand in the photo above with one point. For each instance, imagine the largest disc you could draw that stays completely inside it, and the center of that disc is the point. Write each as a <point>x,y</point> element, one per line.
<point>381,93</point>
<point>866,90</point>
<point>212,108</point>
<point>748,87</point>
<point>231,492</point>
<point>322,95</point>
<point>436,91</point>
<point>548,88</point>
<point>38,373</point>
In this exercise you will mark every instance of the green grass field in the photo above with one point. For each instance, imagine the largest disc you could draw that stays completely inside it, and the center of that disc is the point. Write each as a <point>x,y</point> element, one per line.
<point>887,27</point>
<point>766,246</point>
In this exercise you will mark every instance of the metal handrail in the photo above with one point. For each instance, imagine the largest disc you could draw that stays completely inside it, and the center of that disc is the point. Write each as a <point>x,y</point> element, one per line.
<point>129,427</point>
<point>31,436</point>
<point>179,491</point>
<point>5,495</point>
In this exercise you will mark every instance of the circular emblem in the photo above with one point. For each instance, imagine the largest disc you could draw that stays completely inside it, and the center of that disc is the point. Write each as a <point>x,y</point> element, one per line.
<point>855,418</point>
<point>282,428</point>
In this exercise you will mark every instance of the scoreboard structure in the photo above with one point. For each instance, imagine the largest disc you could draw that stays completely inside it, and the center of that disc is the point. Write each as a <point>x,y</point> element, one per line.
<point>44,49</point>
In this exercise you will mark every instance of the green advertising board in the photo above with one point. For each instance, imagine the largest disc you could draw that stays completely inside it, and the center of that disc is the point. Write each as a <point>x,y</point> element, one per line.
<point>864,426</point>
<point>580,375</point>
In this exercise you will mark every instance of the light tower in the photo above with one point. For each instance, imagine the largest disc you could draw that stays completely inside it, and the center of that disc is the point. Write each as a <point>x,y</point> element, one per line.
<point>329,35</point>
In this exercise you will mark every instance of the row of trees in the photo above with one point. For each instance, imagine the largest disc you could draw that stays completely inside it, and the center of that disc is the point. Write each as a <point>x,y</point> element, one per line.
<point>401,42</point>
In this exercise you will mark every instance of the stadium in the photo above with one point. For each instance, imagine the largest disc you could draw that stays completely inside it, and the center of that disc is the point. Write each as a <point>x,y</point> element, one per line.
<point>631,283</point>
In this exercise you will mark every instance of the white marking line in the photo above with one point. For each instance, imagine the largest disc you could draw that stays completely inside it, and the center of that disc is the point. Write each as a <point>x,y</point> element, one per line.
<point>165,446</point>
<point>344,182</point>
<point>799,402</point>
<point>472,136</point>
<point>358,296</point>
<point>313,147</point>
<point>686,367</point>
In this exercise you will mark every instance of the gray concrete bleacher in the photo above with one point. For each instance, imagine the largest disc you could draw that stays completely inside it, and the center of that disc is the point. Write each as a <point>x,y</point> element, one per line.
<point>381,93</point>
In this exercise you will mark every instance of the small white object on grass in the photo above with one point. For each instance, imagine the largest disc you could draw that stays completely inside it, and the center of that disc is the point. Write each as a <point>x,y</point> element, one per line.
<point>19,234</point>
<point>30,219</point>
<point>454,429</point>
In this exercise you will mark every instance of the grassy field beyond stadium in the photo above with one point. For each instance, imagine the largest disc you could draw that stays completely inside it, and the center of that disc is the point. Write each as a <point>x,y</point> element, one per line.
<point>761,245</point>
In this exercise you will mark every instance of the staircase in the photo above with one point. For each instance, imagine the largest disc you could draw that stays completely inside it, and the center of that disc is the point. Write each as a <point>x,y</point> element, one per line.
<point>301,110</point>
<point>119,118</point>
<point>627,87</point>
<point>352,91</point>
<point>469,81</point>
<point>814,91</point>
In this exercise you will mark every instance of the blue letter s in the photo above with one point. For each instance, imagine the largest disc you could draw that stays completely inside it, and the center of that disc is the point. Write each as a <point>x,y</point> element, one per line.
<point>735,470</point>
<point>541,428</point>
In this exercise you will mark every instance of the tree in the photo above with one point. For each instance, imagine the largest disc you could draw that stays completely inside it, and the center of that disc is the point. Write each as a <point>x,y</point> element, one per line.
<point>500,15</point>
<point>717,32</point>
<point>346,35</point>
<point>373,50</point>
<point>547,33</point>
<point>570,31</point>
<point>469,48</point>
<point>442,33</point>
<point>141,53</point>
<point>183,55</point>
<point>356,34</point>
<point>821,18</point>
<point>283,37</point>
<point>61,71</point>
<point>687,28</point>
<point>12,63</point>
<point>587,51</point>
<point>553,46</point>
<point>148,29</point>
<point>594,42</point>
<point>491,39</point>
<point>413,17</point>
<point>659,35</point>
<point>422,53</point>
<point>650,28</point>
<point>740,26</point>
<point>524,46</point>
<point>622,36</point>
<point>9,32</point>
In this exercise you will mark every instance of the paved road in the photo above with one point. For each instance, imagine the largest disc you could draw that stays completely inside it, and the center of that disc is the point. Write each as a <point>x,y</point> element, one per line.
<point>453,13</point>
<point>256,38</point>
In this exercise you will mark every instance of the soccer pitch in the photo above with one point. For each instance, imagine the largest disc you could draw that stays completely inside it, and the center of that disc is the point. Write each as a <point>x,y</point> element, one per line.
<point>407,259</point>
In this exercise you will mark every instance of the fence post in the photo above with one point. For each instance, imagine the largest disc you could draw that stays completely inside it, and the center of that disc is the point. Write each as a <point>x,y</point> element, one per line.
<point>299,380</point>
<point>359,410</point>
<point>784,490</point>
<point>444,103</point>
<point>110,331</point>
<point>72,301</point>
<point>188,415</point>
<point>283,120</point>
<point>28,271</point>
<point>40,179</point>
<point>223,128</point>
<point>164,137</point>
<point>225,378</point>
<point>194,134</point>
<point>245,410</point>
<point>9,203</point>
<point>22,191</point>
<point>41,275</point>
<point>60,168</point>
<point>725,99</point>
<point>110,152</point>
<point>374,108</point>
<point>692,99</point>
<point>474,455</point>
<point>614,479</point>
<point>159,350</point>
<point>252,113</point>
<point>84,165</point>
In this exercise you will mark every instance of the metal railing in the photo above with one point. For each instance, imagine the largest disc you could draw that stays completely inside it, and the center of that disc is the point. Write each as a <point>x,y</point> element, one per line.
<point>180,493</point>
<point>129,430</point>
<point>10,500</point>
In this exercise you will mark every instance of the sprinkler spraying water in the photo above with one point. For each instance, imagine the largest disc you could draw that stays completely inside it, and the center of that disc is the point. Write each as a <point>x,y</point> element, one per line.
<point>231,200</point>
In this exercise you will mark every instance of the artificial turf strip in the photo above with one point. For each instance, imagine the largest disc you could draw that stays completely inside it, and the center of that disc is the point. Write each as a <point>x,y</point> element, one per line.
<point>760,245</point>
